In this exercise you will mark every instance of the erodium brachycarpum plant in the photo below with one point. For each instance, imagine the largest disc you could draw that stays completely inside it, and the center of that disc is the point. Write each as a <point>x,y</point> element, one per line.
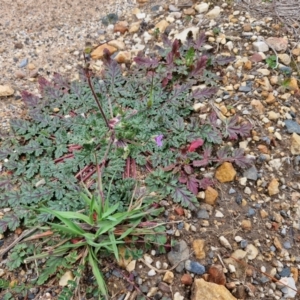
<point>137,132</point>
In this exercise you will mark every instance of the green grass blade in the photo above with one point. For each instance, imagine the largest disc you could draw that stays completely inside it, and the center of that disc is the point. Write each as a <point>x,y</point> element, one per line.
<point>76,229</point>
<point>114,244</point>
<point>73,215</point>
<point>129,230</point>
<point>110,210</point>
<point>97,273</point>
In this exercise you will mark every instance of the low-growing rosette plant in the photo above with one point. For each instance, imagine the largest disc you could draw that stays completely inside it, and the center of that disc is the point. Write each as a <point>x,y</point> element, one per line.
<point>119,135</point>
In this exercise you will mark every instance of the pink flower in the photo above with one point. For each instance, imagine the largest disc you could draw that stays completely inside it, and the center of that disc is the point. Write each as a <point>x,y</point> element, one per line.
<point>158,140</point>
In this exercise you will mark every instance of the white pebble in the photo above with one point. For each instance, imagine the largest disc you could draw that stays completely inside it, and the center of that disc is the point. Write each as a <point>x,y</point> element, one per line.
<point>158,264</point>
<point>151,273</point>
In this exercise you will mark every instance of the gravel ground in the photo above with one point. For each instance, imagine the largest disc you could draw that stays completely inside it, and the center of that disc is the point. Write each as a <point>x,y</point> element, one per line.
<point>46,37</point>
<point>255,215</point>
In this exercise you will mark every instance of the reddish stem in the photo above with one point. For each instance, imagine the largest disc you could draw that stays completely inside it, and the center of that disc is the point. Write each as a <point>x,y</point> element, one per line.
<point>61,159</point>
<point>133,168</point>
<point>88,175</point>
<point>83,170</point>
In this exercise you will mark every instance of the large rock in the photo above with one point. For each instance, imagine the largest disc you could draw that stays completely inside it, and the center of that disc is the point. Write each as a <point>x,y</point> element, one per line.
<point>226,172</point>
<point>99,51</point>
<point>203,290</point>
<point>6,90</point>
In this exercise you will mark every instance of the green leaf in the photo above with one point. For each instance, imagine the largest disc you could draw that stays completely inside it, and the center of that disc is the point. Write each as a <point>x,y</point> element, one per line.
<point>70,226</point>
<point>114,245</point>
<point>97,273</point>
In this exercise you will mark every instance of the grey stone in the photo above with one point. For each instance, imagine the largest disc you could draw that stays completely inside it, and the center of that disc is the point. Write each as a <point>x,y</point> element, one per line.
<point>23,63</point>
<point>173,8</point>
<point>251,212</point>
<point>260,46</point>
<point>251,173</point>
<point>202,214</point>
<point>245,88</point>
<point>286,272</point>
<point>287,245</point>
<point>244,244</point>
<point>231,191</point>
<point>179,252</point>
<point>292,126</point>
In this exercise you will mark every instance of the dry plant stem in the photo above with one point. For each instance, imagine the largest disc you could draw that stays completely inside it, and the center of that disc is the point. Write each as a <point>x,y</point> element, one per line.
<point>83,254</point>
<point>23,235</point>
<point>132,197</point>
<point>39,236</point>
<point>88,76</point>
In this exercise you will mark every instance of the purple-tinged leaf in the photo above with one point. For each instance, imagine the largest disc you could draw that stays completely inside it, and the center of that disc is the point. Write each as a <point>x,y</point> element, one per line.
<point>3,225</point>
<point>237,156</point>
<point>206,158</point>
<point>166,41</point>
<point>10,222</point>
<point>183,178</point>
<point>224,60</point>
<point>44,84</point>
<point>200,65</point>
<point>4,153</point>
<point>205,182</point>
<point>176,170</point>
<point>200,94</point>
<point>212,119</point>
<point>240,159</point>
<point>6,184</point>
<point>107,57</point>
<point>169,168</point>
<point>223,154</point>
<point>175,49</point>
<point>185,197</point>
<point>199,42</point>
<point>61,82</point>
<point>232,129</point>
<point>166,80</point>
<point>188,169</point>
<point>146,62</point>
<point>193,184</point>
<point>169,60</point>
<point>210,134</point>
<point>29,99</point>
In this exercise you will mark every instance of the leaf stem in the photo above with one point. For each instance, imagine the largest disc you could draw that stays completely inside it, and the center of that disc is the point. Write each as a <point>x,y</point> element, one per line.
<point>88,76</point>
